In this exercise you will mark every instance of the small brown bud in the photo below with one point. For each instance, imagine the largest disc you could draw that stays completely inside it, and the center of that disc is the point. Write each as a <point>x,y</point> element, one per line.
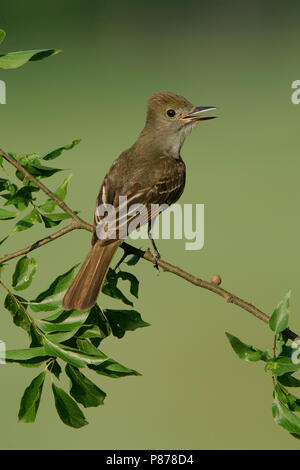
<point>216,279</point>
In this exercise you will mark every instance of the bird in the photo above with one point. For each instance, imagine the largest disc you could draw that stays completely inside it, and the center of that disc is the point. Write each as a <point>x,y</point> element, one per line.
<point>151,173</point>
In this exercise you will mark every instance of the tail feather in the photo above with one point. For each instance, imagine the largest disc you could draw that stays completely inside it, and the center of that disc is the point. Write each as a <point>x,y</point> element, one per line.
<point>83,292</point>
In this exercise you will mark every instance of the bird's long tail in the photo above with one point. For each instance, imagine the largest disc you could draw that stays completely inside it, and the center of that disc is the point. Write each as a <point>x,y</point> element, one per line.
<point>83,292</point>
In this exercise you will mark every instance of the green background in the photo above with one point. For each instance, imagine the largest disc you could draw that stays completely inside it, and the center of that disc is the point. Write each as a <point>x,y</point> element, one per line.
<point>240,56</point>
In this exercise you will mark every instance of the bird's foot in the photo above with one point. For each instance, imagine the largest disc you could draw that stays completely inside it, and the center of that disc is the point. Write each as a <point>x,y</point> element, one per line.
<point>156,257</point>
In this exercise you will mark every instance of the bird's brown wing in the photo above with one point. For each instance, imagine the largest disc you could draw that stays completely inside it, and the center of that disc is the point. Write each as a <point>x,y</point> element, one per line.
<point>157,183</point>
<point>150,191</point>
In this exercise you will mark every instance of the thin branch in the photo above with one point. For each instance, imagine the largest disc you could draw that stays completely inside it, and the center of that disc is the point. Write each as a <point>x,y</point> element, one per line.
<point>47,191</point>
<point>78,223</point>
<point>39,243</point>
<point>227,296</point>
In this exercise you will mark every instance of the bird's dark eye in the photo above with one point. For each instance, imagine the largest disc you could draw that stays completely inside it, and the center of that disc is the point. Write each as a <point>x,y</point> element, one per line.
<point>171,112</point>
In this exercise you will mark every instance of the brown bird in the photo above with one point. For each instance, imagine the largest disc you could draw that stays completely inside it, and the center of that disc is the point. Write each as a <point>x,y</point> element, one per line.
<point>151,172</point>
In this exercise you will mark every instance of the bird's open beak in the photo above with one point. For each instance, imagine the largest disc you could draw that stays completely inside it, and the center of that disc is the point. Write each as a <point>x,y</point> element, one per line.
<point>197,114</point>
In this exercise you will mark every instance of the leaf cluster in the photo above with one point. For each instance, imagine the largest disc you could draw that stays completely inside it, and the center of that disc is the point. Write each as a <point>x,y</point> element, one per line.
<point>283,363</point>
<point>59,340</point>
<point>24,201</point>
<point>66,339</point>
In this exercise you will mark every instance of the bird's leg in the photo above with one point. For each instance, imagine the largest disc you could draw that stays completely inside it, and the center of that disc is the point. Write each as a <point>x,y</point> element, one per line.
<point>156,254</point>
<point>124,256</point>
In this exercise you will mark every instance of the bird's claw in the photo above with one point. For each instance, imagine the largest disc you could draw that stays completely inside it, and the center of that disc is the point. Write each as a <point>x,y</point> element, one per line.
<point>156,258</point>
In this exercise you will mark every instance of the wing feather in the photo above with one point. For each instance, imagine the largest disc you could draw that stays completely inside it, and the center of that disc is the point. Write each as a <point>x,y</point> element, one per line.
<point>113,214</point>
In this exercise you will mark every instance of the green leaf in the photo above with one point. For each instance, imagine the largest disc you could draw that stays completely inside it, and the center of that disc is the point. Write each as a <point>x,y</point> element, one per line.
<point>24,273</point>
<point>110,287</point>
<point>31,399</point>
<point>109,368</point>
<point>134,282</point>
<point>62,316</point>
<point>113,369</point>
<point>90,331</point>
<point>280,317</point>
<point>57,350</point>
<point>18,315</point>
<point>87,347</point>
<point>7,215</point>
<point>61,192</point>
<point>3,184</point>
<point>48,206</point>
<point>281,366</point>
<point>68,410</point>
<point>245,351</point>
<point>73,356</point>
<point>55,369</point>
<point>287,398</point>
<point>31,363</point>
<point>14,60</point>
<point>27,222</point>
<point>52,298</point>
<point>284,417</point>
<point>2,35</point>
<point>52,220</point>
<point>37,337</point>
<point>20,355</point>
<point>97,318</point>
<point>61,336</point>
<point>281,341</point>
<point>11,188</point>
<point>33,165</point>
<point>124,320</point>
<point>84,390</point>
<point>63,321</point>
<point>22,198</point>
<point>56,153</point>
<point>288,380</point>
<point>133,260</point>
